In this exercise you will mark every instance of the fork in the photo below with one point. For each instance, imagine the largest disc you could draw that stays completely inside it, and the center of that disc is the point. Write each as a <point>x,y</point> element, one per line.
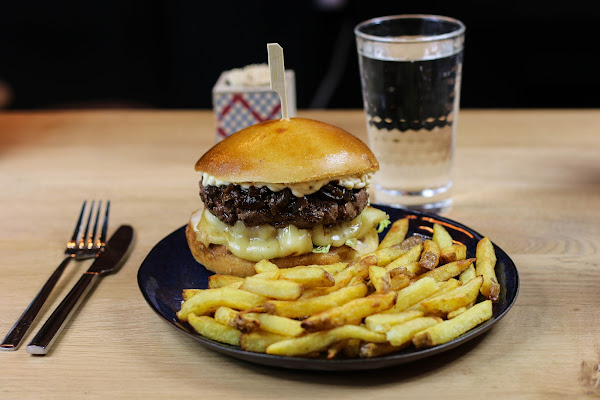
<point>84,244</point>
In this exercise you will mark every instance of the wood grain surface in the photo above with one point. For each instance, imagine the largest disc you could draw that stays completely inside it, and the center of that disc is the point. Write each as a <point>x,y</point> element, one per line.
<point>528,179</point>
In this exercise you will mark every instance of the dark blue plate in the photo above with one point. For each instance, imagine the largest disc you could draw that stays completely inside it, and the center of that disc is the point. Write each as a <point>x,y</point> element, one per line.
<point>170,267</point>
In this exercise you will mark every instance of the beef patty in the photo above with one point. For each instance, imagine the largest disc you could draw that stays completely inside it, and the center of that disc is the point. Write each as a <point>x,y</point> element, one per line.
<point>260,205</point>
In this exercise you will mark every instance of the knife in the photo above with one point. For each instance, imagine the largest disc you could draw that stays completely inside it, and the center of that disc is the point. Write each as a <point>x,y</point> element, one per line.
<point>109,261</point>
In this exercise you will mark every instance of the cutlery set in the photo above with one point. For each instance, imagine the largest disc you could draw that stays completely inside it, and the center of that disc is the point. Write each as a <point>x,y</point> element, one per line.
<point>85,243</point>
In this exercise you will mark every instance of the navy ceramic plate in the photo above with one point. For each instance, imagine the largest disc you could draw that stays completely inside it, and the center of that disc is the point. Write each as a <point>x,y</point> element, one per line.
<point>170,267</point>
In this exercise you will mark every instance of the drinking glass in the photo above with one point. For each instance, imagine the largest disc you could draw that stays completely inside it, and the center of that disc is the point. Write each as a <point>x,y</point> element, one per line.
<point>410,70</point>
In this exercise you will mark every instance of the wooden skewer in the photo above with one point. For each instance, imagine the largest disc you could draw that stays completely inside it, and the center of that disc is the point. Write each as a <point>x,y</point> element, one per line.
<point>277,70</point>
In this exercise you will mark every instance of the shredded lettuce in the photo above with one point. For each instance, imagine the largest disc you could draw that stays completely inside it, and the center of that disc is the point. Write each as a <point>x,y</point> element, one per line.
<point>321,249</point>
<point>382,225</point>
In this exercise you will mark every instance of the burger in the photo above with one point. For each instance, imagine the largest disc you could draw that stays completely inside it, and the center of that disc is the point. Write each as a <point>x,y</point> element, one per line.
<point>292,191</point>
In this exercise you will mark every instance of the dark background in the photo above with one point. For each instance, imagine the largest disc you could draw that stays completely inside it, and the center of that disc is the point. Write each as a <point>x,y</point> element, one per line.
<point>169,54</point>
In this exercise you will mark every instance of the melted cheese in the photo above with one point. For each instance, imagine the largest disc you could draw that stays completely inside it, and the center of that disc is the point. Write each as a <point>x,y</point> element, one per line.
<point>267,242</point>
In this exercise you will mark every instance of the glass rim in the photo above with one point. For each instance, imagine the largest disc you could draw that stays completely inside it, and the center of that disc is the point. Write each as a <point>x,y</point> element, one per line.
<point>390,39</point>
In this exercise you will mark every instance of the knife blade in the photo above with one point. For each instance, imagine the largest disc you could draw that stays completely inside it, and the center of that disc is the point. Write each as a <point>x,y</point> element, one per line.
<point>109,261</point>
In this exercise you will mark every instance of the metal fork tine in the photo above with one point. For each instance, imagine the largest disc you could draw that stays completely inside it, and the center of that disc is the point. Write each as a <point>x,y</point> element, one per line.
<point>75,238</point>
<point>90,242</point>
<point>102,238</point>
<point>87,227</point>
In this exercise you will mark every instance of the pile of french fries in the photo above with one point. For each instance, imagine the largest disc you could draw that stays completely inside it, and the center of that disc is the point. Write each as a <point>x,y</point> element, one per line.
<point>409,292</point>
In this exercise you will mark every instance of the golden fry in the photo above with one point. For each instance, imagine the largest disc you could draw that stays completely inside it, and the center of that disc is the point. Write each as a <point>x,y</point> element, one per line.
<point>457,298</point>
<point>441,236</point>
<point>189,293</point>
<point>258,341</point>
<point>453,328</point>
<point>351,311</point>
<point>413,294</point>
<point>226,316</point>
<point>264,266</point>
<point>395,234</point>
<point>208,327</point>
<point>430,257</point>
<point>308,276</point>
<point>447,271</point>
<point>274,288</point>
<point>306,307</point>
<point>444,287</point>
<point>276,324</point>
<point>459,311</point>
<point>380,279</point>
<point>208,300</point>
<point>453,253</point>
<point>331,268</point>
<point>402,334</point>
<point>217,280</point>
<point>467,274</point>
<point>485,266</point>
<point>371,350</point>
<point>411,256</point>
<point>383,322</point>
<point>411,270</point>
<point>319,341</point>
<point>398,280</point>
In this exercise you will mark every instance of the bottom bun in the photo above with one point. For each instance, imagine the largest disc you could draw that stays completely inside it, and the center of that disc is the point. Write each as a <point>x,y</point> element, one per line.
<point>219,259</point>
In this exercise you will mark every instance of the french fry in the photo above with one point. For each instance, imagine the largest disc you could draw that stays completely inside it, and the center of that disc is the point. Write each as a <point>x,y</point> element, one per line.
<point>258,341</point>
<point>454,299</point>
<point>459,311</point>
<point>430,257</point>
<point>398,280</point>
<point>264,266</point>
<point>485,266</point>
<point>441,236</point>
<point>412,255</point>
<point>453,253</point>
<point>371,350</point>
<point>409,243</point>
<point>401,335</point>
<point>383,322</point>
<point>413,294</point>
<point>226,316</point>
<point>303,308</point>
<point>467,274</point>
<point>380,279</point>
<point>276,324</point>
<point>444,287</point>
<point>208,300</point>
<point>273,288</point>
<point>331,268</point>
<point>447,271</point>
<point>395,234</point>
<point>307,276</point>
<point>335,349</point>
<point>217,280</point>
<point>351,311</point>
<point>452,328</point>
<point>208,327</point>
<point>242,321</point>
<point>189,293</point>
<point>411,269</point>
<point>319,341</point>
<point>358,268</point>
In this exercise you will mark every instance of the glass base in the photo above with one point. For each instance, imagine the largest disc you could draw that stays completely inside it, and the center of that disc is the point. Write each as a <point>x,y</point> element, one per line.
<point>435,200</point>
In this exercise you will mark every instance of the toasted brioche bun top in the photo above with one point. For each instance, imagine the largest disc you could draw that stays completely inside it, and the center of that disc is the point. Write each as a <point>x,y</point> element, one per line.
<point>287,151</point>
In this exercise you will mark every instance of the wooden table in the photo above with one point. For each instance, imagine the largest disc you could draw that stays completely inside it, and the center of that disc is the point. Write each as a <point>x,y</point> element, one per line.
<point>529,179</point>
